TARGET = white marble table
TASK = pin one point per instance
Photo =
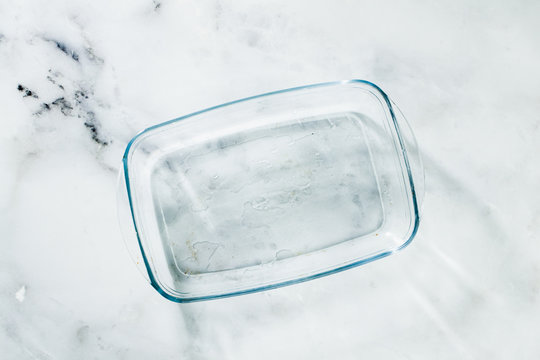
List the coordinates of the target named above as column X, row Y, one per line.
column 79, row 79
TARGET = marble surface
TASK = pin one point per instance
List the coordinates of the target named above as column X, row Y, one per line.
column 79, row 79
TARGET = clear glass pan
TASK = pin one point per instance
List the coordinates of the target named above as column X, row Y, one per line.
column 271, row 190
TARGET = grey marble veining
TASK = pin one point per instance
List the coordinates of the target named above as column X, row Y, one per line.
column 79, row 79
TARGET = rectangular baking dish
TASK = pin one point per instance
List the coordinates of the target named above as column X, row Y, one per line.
column 271, row 190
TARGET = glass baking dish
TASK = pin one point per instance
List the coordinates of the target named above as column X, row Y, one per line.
column 270, row 190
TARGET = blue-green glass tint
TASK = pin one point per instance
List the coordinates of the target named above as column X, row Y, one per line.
column 271, row 190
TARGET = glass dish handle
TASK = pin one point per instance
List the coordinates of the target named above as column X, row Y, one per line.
column 413, row 154
column 126, row 225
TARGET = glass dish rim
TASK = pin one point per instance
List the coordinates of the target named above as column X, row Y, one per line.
column 167, row 294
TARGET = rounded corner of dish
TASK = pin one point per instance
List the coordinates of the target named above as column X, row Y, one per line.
column 413, row 234
column 131, row 143
column 165, row 292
